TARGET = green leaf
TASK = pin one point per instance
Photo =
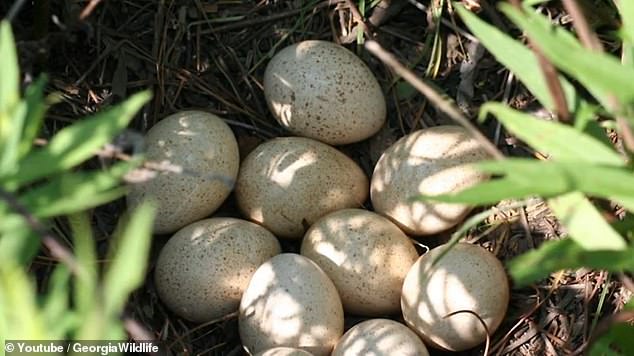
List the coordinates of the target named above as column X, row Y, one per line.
column 74, row 192
column 76, row 143
column 520, row 60
column 126, row 271
column 18, row 306
column 626, row 10
column 36, row 108
column 561, row 141
column 524, row 177
column 557, row 255
column 618, row 337
column 585, row 225
column 56, row 305
column 10, row 83
column 84, row 247
column 602, row 74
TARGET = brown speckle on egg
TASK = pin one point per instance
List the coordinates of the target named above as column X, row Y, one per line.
column 203, row 269
column 288, row 180
column 204, row 148
column 314, row 71
column 366, row 256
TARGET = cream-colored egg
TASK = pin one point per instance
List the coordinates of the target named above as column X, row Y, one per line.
column 287, row 183
column 204, row 148
column 284, row 351
column 380, row 337
column 366, row 256
column 468, row 280
column 431, row 161
column 205, row 267
column 321, row 90
column 290, row 302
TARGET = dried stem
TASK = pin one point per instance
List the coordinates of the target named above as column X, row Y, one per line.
column 432, row 95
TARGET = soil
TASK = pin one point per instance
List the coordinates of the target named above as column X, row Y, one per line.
column 211, row 55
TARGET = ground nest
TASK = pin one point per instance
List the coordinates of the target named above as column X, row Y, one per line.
column 211, row 55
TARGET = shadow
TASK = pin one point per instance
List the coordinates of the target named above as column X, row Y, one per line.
column 463, row 280
column 380, row 337
column 290, row 302
column 431, row 162
column 321, row 90
column 286, row 184
column 365, row 255
column 203, row 159
column 205, row 267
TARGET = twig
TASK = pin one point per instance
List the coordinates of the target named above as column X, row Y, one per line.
column 57, row 250
column 432, row 95
column 88, row 9
column 551, row 76
column 15, row 8
column 586, row 35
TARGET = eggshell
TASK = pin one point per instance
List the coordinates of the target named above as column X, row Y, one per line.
column 284, row 351
column 366, row 256
column 204, row 147
column 205, row 267
column 380, row 337
column 467, row 278
column 321, row 90
column 287, row 183
column 431, row 161
column 290, row 302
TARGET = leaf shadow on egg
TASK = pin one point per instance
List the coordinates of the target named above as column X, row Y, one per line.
column 439, row 301
column 290, row 302
column 367, row 257
column 286, row 184
column 198, row 161
column 381, row 337
column 441, row 164
column 204, row 268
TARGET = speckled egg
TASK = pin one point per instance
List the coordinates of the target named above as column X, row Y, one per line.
column 290, row 302
column 205, row 267
column 284, row 351
column 431, row 161
column 321, row 90
column 287, row 183
column 380, row 337
column 467, row 280
column 366, row 256
column 205, row 150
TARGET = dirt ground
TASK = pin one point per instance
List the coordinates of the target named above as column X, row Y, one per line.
column 211, row 55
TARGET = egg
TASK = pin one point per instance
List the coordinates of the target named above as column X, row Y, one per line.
column 468, row 281
column 287, row 183
column 366, row 256
column 204, row 149
column 284, row 351
column 203, row 269
column 290, row 302
column 321, row 90
column 380, row 337
column 431, row 161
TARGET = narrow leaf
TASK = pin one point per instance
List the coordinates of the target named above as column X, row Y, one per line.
column 36, row 108
column 561, row 141
column 126, row 271
column 74, row 192
column 557, row 255
column 600, row 73
column 584, row 223
column 85, row 252
column 10, row 83
column 520, row 60
column 78, row 142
